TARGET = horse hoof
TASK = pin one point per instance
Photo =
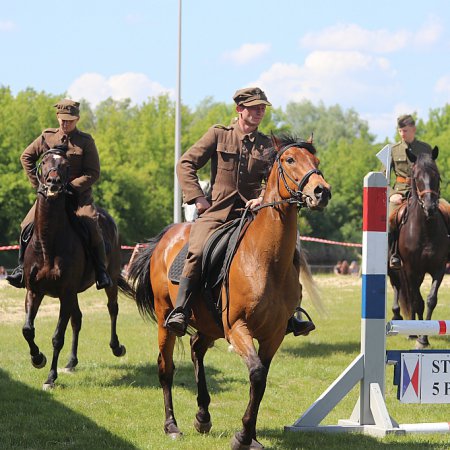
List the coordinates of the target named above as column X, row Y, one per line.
column 173, row 431
column 48, row 386
column 67, row 369
column 421, row 345
column 39, row 361
column 202, row 427
column 236, row 445
column 119, row 351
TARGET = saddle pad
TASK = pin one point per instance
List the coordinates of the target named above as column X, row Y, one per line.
column 176, row 269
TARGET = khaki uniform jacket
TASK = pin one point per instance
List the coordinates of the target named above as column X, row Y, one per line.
column 239, row 164
column 401, row 165
column 82, row 155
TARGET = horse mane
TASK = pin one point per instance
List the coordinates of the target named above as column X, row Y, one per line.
column 283, row 140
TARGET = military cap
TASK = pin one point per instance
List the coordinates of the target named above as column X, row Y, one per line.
column 405, row 120
column 251, row 96
column 67, row 109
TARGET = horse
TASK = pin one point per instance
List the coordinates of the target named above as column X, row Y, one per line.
column 262, row 291
column 57, row 264
column 423, row 243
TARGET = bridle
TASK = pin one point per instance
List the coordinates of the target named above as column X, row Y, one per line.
column 44, row 188
column 420, row 194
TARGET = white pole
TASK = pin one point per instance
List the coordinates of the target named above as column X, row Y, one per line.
column 176, row 188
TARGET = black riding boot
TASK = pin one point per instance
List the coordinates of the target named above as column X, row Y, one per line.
column 300, row 327
column 395, row 262
column 177, row 320
column 16, row 278
column 103, row 280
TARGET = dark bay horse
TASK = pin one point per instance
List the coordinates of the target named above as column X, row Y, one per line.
column 423, row 243
column 263, row 283
column 56, row 264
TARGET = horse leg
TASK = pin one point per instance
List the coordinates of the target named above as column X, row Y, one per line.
column 418, row 307
column 199, row 346
column 431, row 304
column 396, row 286
column 258, row 368
column 113, row 308
column 166, row 368
column 76, row 321
column 32, row 303
column 66, row 306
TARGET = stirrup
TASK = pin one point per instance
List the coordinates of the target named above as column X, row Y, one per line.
column 103, row 280
column 16, row 278
column 176, row 322
column 395, row 262
column 300, row 327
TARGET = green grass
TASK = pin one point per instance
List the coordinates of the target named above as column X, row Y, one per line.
column 116, row 403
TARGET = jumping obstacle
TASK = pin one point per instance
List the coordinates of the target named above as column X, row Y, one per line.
column 370, row 415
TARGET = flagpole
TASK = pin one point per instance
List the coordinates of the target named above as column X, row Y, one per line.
column 176, row 188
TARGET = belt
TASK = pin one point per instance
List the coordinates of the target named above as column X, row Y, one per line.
column 403, row 180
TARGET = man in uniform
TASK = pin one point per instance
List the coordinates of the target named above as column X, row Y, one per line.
column 401, row 166
column 239, row 156
column 84, row 163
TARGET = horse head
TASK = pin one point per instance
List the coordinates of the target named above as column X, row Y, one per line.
column 53, row 172
column 301, row 180
column 425, row 180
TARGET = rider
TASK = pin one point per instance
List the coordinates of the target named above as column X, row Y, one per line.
column 84, row 169
column 401, row 166
column 239, row 156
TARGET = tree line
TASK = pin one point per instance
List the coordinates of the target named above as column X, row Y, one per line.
column 136, row 147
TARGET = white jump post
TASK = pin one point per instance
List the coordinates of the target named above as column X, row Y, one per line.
column 370, row 415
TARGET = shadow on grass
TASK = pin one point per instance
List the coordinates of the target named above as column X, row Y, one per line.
column 335, row 441
column 146, row 375
column 32, row 419
column 320, row 350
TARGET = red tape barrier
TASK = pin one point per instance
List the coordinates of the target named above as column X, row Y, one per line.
column 302, row 238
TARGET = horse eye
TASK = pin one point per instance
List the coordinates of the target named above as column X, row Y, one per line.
column 290, row 160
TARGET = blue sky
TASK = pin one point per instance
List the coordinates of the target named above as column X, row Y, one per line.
column 381, row 58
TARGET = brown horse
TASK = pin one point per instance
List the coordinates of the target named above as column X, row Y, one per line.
column 423, row 243
column 57, row 264
column 263, row 286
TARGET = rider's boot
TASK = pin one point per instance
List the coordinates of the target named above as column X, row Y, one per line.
column 300, row 327
column 102, row 278
column 177, row 320
column 395, row 262
column 16, row 277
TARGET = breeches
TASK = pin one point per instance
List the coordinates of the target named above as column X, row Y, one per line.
column 87, row 213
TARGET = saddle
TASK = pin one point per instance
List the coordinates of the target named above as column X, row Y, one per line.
column 217, row 256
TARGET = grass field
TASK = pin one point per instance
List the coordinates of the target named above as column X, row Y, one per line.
column 111, row 403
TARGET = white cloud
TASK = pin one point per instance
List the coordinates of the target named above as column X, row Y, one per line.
column 246, row 53
column 354, row 37
column 331, row 77
column 95, row 87
column 7, row 25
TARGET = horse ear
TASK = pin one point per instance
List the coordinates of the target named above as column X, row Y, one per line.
column 275, row 141
column 411, row 156
column 435, row 152
column 311, row 138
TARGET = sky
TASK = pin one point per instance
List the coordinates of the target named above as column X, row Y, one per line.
column 379, row 58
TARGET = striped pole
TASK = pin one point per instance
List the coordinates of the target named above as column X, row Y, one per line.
column 374, row 269
column 418, row 327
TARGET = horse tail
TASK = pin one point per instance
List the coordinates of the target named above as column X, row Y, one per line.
column 308, row 283
column 139, row 277
column 125, row 287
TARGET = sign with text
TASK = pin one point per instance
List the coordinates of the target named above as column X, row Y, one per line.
column 425, row 378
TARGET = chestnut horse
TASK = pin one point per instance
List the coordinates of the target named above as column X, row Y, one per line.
column 423, row 243
column 56, row 263
column 263, row 286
